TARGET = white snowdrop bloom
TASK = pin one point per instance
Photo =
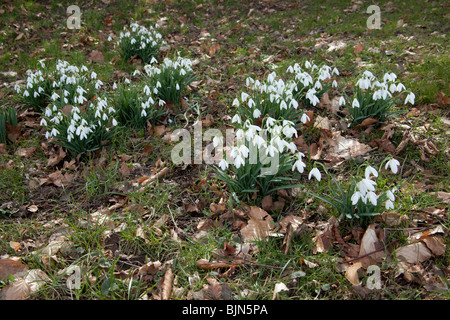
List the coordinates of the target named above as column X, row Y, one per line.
column 341, row 101
column 223, row 164
column 305, row 118
column 271, row 150
column 293, row 104
column 182, row 72
column 136, row 72
column 334, row 84
column 335, row 71
column 377, row 95
column 356, row 196
column 236, row 118
column 55, row 96
column 390, row 195
column 299, row 165
column 54, row 132
column 244, row 151
column 98, row 84
column 161, row 103
column 289, row 131
column 283, row 105
column 256, row 114
column 355, row 103
column 133, row 41
column 410, row 98
column 370, row 171
column 318, row 85
column 48, row 112
column 244, row 96
column 307, row 64
column 48, row 135
column 143, row 113
column 270, row 121
column 109, row 38
column 389, row 204
column 292, row 147
column 153, row 60
column 97, row 114
column 259, row 141
column 43, row 123
column 366, row 185
column 400, row 87
column 393, row 165
column 40, row 90
column 114, row 122
column 216, row 141
column 238, row 161
column 251, row 103
column 127, row 81
column 36, row 94
column 155, row 91
column 290, row 69
column 93, row 75
column 316, row 173
column 363, row 83
column 235, row 102
column 372, row 197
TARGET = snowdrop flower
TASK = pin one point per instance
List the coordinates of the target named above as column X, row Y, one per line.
column 236, row 118
column 55, row 96
column 366, row 185
column 36, row 94
column 235, row 102
column 410, row 98
column 93, row 75
column 370, row 170
column 114, row 122
column 54, row 132
column 400, row 87
column 98, row 84
column 43, row 123
column 341, row 101
column 335, row 71
column 177, row 87
column 390, row 195
column 299, row 165
column 244, row 96
column 256, row 114
column 355, row 103
column 251, row 103
column 356, row 196
column 372, row 197
column 216, row 141
column 305, row 118
column 334, row 84
column 271, row 150
column 389, row 204
column 316, row 173
column 238, row 161
column 393, row 165
column 223, row 164
column 307, row 64
column 270, row 121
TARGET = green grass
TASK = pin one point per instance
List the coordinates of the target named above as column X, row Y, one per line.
column 287, row 31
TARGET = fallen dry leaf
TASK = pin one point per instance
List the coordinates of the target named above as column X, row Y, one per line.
column 25, row 152
column 352, row 273
column 10, row 267
column 358, row 49
column 278, row 288
column 259, row 225
column 96, row 56
column 370, row 244
column 413, row 253
column 167, row 285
